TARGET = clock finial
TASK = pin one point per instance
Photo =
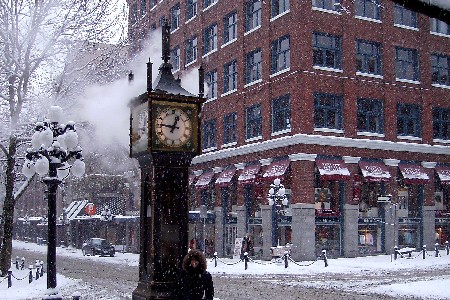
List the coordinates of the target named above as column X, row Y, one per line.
column 166, row 42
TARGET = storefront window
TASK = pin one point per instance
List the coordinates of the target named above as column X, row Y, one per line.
column 328, row 238
column 369, row 239
column 408, row 235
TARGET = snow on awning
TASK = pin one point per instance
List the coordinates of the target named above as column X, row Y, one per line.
column 276, row 169
column 444, row 174
column 75, row 208
column 248, row 175
column 204, row 180
column 224, row 178
column 332, row 169
column 413, row 174
column 374, row 171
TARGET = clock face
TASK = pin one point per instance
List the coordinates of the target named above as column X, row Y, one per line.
column 173, row 126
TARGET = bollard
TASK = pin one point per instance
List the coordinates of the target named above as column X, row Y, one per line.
column 30, row 277
column 286, row 264
column 246, row 260
column 395, row 252
column 325, row 259
column 22, row 263
column 447, row 247
column 42, row 268
column 215, row 259
column 9, row 278
column 424, row 250
column 37, row 269
column 17, row 262
column 436, row 250
column 76, row 296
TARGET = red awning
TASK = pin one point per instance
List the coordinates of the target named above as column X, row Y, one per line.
column 249, row 173
column 414, row 174
column 332, row 169
column 444, row 174
column 224, row 178
column 276, row 169
column 204, row 180
column 374, row 171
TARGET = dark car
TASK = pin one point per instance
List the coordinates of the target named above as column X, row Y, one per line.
column 98, row 246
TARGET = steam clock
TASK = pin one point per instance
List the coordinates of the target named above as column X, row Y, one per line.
column 164, row 137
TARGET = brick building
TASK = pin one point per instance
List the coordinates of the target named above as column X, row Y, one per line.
column 346, row 102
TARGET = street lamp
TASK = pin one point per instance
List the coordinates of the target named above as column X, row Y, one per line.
column 53, row 146
column 277, row 199
column 107, row 216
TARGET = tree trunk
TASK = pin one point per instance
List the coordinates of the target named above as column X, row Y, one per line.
column 8, row 208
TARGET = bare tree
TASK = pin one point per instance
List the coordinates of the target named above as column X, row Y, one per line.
column 35, row 39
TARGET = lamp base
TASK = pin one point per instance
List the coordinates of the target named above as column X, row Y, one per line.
column 153, row 290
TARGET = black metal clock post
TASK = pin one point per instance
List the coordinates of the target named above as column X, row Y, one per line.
column 165, row 136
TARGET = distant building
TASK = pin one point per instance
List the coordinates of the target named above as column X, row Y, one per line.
column 345, row 101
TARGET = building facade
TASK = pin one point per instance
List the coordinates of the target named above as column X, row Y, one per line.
column 346, row 102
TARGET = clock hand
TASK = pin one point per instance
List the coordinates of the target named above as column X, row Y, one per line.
column 177, row 118
column 170, row 126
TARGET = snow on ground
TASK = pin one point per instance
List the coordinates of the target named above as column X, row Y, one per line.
column 435, row 288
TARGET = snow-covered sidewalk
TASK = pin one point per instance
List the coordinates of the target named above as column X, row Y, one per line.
column 430, row 288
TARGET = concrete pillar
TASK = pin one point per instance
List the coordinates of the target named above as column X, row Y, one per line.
column 351, row 230
column 241, row 226
column 219, row 232
column 303, row 231
column 429, row 227
column 266, row 214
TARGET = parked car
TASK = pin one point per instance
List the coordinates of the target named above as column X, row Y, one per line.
column 98, row 246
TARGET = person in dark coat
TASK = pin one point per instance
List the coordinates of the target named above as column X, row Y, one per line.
column 195, row 282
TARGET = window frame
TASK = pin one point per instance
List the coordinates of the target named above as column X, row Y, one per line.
column 252, row 66
column 253, row 15
column 253, row 122
column 209, row 134
column 281, row 110
column 211, row 83
column 191, row 9
column 437, row 67
column 335, row 47
column 370, row 110
column 366, row 5
column 191, row 50
column 227, row 75
column 279, row 7
column 175, row 17
column 335, row 109
column 277, row 52
column 404, row 65
column 408, row 18
column 210, row 38
column 327, row 5
column 436, row 27
column 229, row 128
column 175, row 55
column 441, row 123
column 413, row 118
column 366, row 58
column 229, row 27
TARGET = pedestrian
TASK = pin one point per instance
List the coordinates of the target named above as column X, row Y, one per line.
column 195, row 282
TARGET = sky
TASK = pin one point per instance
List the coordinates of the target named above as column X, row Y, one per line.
column 432, row 288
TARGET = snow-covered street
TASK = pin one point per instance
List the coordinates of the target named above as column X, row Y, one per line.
column 375, row 277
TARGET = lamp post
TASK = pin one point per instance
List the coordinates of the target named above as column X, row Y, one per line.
column 53, row 146
column 388, row 199
column 26, row 231
column 106, row 216
column 277, row 199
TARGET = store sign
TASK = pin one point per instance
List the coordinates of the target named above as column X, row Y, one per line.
column 370, row 220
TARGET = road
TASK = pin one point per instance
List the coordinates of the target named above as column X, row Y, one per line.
column 114, row 281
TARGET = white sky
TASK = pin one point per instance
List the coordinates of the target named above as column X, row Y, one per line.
column 432, row 288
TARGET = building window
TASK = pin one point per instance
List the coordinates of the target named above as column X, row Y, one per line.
column 408, row 119
column 175, row 13
column 208, row 198
column 253, row 15
column 230, row 27
column 209, row 134
column 326, row 50
column 152, row 3
column 211, row 83
column 370, row 9
column 441, row 123
column 281, row 113
column 191, row 9
column 281, row 54
column 229, row 128
column 438, row 26
column 406, row 64
column 404, row 16
column 143, row 7
column 230, row 76
column 208, row 3
column 162, row 21
column 279, row 7
column 370, row 116
column 253, row 128
column 368, row 57
column 191, row 50
column 253, row 66
column 440, row 69
column 210, row 38
column 175, row 56
column 327, row 111
column 333, row 5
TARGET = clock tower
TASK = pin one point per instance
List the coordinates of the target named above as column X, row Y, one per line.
column 164, row 137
